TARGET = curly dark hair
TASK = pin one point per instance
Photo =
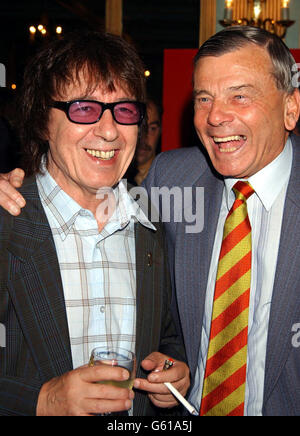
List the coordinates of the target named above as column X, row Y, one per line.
column 97, row 56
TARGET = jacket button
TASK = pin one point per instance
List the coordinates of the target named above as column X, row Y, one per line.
column 150, row 260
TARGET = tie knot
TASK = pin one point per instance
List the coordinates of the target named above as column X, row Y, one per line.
column 243, row 190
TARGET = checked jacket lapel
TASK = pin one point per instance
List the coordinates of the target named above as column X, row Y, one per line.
column 35, row 287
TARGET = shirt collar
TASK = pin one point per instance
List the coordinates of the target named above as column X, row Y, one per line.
column 65, row 210
column 128, row 208
column 268, row 182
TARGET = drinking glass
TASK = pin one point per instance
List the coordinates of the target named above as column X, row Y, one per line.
column 116, row 357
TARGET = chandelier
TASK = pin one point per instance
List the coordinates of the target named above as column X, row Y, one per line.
column 279, row 27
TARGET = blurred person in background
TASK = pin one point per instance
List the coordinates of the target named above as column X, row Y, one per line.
column 148, row 145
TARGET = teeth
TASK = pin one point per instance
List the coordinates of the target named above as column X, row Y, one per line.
column 105, row 155
column 227, row 150
column 229, row 138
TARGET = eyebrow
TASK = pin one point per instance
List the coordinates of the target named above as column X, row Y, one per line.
column 197, row 92
column 231, row 88
column 92, row 98
column 238, row 88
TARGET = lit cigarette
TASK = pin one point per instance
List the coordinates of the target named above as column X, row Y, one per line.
column 182, row 400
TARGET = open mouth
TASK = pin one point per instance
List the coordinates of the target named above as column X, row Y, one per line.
column 102, row 155
column 229, row 144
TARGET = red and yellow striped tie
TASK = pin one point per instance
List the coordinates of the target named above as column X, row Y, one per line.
column 225, row 373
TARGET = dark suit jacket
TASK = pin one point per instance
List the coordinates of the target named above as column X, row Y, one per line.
column 190, row 254
column 32, row 307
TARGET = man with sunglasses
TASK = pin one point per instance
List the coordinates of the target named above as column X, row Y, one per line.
column 76, row 274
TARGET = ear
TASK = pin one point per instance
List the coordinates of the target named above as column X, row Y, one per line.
column 292, row 110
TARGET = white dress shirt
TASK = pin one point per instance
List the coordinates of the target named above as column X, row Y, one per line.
column 265, row 210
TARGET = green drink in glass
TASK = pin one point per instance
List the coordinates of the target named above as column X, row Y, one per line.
column 116, row 357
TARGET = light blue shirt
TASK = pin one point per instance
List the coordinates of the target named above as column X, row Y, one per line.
column 98, row 269
column 265, row 210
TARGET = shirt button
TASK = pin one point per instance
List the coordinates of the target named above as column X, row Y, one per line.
column 102, row 309
column 84, row 212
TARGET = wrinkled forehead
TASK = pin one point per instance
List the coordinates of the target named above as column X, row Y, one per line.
column 84, row 82
column 235, row 65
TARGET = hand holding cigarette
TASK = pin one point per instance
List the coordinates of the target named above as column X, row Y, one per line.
column 168, row 364
column 178, row 374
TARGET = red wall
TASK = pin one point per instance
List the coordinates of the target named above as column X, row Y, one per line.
column 177, row 128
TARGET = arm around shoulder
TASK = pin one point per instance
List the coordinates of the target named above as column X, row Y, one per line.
column 10, row 199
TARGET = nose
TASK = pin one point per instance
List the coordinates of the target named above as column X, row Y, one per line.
column 106, row 127
column 219, row 114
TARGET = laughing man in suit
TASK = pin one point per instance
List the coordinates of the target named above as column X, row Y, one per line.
column 246, row 105
column 73, row 277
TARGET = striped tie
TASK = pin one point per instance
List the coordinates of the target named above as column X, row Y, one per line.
column 225, row 373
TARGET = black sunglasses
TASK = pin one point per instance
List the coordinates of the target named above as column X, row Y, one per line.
column 127, row 113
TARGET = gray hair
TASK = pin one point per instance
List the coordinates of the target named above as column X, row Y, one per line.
column 236, row 37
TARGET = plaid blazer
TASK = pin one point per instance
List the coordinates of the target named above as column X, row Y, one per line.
column 33, row 312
